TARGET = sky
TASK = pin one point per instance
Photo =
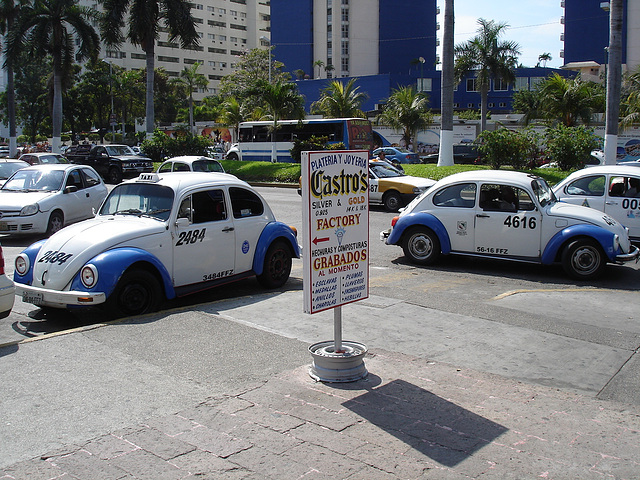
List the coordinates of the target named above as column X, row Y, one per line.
column 533, row 24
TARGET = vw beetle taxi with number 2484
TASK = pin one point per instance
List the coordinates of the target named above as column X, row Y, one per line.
column 158, row 237
column 508, row 215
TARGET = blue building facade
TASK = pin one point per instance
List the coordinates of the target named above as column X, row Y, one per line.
column 586, row 31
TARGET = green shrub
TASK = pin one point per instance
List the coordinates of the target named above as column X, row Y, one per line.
column 312, row 144
column 570, row 147
column 508, row 147
column 162, row 146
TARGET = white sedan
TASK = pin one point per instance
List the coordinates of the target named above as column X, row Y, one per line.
column 191, row 163
column 512, row 216
column 613, row 189
column 44, row 198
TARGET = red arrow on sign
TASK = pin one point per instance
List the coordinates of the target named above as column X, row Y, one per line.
column 317, row 240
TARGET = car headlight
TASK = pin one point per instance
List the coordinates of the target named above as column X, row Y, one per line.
column 22, row 264
column 29, row 210
column 89, row 276
column 418, row 190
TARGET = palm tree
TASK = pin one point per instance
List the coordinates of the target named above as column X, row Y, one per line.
column 190, row 80
column 544, row 58
column 282, row 101
column 569, row 100
column 145, row 18
column 319, row 64
column 50, row 27
column 488, row 58
column 630, row 108
column 340, row 100
column 8, row 13
column 231, row 113
column 406, row 110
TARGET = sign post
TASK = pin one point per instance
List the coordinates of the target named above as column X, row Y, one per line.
column 335, row 193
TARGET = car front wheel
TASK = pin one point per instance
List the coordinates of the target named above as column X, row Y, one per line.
column 56, row 222
column 137, row 292
column 583, row 259
column 115, row 176
column 421, row 245
column 277, row 265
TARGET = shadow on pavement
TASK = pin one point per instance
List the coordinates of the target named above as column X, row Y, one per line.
column 438, row 428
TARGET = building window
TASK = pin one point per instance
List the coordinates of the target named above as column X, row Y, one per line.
column 138, row 56
column 469, row 105
column 197, row 6
column 491, row 105
column 471, row 85
column 535, row 81
column 210, row 8
column 168, row 59
column 190, row 61
column 424, row 84
column 211, row 36
column 214, row 23
column 233, row 13
column 222, row 38
column 502, row 105
column 500, row 85
column 217, row 50
column 222, row 11
column 345, row 14
column 345, row 47
column 522, row 83
column 344, row 64
column 237, row 27
column 345, row 31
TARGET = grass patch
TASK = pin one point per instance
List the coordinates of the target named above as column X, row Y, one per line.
column 290, row 172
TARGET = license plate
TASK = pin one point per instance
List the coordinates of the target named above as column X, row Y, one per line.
column 33, row 298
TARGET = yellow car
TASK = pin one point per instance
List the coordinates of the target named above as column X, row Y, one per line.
column 392, row 188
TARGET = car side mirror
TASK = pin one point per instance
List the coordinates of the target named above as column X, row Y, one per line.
column 182, row 222
column 70, row 189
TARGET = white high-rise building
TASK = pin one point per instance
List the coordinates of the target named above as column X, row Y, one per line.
column 226, row 29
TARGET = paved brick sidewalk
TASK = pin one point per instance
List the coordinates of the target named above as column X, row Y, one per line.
column 409, row 419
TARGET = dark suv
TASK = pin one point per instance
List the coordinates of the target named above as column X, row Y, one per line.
column 462, row 153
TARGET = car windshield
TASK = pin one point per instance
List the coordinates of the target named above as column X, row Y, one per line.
column 35, row 181
column 207, row 166
column 139, row 199
column 52, row 159
column 543, row 192
column 7, row 169
column 114, row 150
column 384, row 171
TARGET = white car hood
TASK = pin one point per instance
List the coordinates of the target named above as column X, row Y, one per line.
column 84, row 241
column 586, row 214
column 16, row 200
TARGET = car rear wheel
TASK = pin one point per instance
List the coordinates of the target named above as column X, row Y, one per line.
column 583, row 259
column 421, row 245
column 56, row 222
column 392, row 201
column 137, row 292
column 277, row 265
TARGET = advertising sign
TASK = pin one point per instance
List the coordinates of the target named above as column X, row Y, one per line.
column 335, row 206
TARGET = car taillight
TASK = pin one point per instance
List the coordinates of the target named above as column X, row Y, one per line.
column 1, row 262
column 394, row 220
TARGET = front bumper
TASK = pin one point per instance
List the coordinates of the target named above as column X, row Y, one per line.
column 44, row 297
column 628, row 257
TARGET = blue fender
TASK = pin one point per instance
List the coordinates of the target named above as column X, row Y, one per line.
column 111, row 264
column 601, row 235
column 271, row 232
column 424, row 219
column 31, row 252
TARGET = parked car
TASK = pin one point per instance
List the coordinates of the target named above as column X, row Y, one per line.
column 4, row 151
column 510, row 216
column 393, row 189
column 402, row 155
column 191, row 163
column 7, row 290
column 45, row 198
column 155, row 238
column 39, row 158
column 612, row 189
column 8, row 166
column 216, row 151
column 112, row 162
column 463, row 153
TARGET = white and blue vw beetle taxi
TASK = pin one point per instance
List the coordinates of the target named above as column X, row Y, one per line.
column 508, row 215
column 158, row 237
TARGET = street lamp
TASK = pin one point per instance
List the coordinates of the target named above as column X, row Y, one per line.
column 267, row 40
column 421, row 60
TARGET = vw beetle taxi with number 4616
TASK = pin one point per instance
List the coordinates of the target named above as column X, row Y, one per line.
column 508, row 215
column 157, row 237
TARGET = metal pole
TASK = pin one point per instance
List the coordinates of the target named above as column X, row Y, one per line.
column 337, row 329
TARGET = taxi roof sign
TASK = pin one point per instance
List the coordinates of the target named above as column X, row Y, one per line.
column 148, row 178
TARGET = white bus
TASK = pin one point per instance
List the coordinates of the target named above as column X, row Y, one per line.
column 255, row 138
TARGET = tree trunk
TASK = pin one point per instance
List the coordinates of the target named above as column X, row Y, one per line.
column 445, row 155
column 614, row 76
column 150, row 121
column 11, row 110
column 56, row 117
column 484, row 96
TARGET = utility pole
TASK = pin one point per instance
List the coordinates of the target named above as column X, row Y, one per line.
column 445, row 154
column 614, row 80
